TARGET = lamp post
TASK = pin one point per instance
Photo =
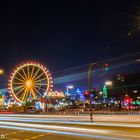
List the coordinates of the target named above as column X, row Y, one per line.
column 89, row 75
column 106, row 67
column 89, row 89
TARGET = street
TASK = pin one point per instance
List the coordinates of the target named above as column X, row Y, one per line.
column 70, row 70
column 50, row 127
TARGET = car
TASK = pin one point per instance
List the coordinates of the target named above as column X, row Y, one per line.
column 32, row 109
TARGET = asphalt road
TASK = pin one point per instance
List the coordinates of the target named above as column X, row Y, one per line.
column 59, row 127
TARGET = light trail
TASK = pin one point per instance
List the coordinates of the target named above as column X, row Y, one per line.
column 83, row 75
column 126, row 60
column 63, row 133
column 66, row 121
column 67, row 128
column 40, row 123
column 133, row 55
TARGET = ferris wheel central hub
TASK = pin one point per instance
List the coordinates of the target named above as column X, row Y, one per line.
column 29, row 83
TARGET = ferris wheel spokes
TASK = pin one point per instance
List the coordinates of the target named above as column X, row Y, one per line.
column 36, row 73
column 32, row 71
column 37, row 91
column 29, row 78
column 24, row 72
column 19, row 79
column 20, row 91
column 41, row 80
column 21, row 76
column 39, row 76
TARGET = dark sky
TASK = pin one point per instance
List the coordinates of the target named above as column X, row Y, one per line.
column 64, row 34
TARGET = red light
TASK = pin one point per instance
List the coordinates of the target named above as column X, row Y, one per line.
column 86, row 93
column 97, row 64
column 132, row 107
column 127, row 100
column 106, row 65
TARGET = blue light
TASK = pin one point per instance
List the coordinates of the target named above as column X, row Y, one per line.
column 65, row 92
column 78, row 91
column 37, row 105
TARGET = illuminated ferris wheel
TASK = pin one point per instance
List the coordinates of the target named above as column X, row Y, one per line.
column 29, row 80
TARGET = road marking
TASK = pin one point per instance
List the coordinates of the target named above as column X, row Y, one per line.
column 35, row 137
column 12, row 138
column 42, row 135
column 13, row 132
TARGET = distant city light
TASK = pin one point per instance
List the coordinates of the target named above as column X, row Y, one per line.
column 100, row 92
column 1, row 71
column 138, row 59
column 70, row 86
column 78, row 91
column 135, row 91
column 108, row 83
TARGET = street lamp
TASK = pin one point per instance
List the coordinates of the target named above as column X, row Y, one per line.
column 89, row 88
column 1, row 71
column 101, row 93
column 135, row 91
column 108, row 83
column 90, row 68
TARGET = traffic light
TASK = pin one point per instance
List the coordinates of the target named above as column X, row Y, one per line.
column 86, row 94
column 120, row 77
column 106, row 67
column 90, row 94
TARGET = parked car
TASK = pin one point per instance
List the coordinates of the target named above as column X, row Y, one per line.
column 32, row 109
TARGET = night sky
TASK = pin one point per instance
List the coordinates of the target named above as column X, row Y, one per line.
column 64, row 34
